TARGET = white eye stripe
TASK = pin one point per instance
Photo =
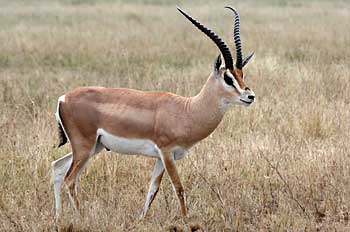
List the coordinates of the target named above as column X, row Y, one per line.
column 235, row 83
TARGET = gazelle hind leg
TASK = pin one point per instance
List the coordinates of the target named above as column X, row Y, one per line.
column 71, row 180
column 156, row 179
column 59, row 169
column 78, row 164
column 170, row 167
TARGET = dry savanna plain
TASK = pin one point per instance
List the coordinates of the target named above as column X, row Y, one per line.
column 282, row 164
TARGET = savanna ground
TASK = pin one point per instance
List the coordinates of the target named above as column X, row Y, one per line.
column 282, row 164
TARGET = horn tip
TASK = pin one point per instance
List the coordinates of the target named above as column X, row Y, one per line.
column 229, row 7
column 179, row 9
column 233, row 9
column 251, row 54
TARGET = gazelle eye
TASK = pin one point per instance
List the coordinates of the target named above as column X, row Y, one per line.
column 228, row 80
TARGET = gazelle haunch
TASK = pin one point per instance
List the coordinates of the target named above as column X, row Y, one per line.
column 161, row 125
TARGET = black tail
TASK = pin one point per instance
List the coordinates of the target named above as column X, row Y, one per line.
column 61, row 133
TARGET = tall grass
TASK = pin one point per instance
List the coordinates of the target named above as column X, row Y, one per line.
column 279, row 165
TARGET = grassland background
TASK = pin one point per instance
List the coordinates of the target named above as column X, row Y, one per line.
column 282, row 164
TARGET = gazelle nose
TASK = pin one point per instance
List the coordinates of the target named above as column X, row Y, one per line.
column 251, row 97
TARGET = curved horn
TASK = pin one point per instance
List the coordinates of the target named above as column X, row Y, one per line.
column 237, row 38
column 215, row 38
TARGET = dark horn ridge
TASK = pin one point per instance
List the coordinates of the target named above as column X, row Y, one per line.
column 237, row 38
column 214, row 37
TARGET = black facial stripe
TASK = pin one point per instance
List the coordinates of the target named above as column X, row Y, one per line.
column 228, row 80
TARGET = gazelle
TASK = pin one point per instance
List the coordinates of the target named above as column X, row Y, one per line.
column 161, row 125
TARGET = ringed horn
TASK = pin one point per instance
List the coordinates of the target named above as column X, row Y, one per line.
column 225, row 51
column 240, row 62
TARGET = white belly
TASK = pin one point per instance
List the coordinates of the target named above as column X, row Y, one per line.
column 126, row 145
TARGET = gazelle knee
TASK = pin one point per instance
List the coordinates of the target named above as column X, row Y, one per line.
column 69, row 184
column 60, row 167
column 62, row 164
column 180, row 191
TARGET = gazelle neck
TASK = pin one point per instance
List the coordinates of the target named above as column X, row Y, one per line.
column 206, row 108
column 208, row 100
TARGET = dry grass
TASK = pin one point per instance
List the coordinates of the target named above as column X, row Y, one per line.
column 280, row 165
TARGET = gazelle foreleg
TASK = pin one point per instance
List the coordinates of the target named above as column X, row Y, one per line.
column 157, row 175
column 169, row 164
column 59, row 170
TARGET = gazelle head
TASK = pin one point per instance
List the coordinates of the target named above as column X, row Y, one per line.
column 228, row 80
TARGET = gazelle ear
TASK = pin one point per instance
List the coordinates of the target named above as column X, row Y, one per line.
column 217, row 64
column 246, row 59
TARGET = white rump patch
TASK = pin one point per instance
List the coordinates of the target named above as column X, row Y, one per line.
column 57, row 114
column 128, row 146
column 62, row 98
